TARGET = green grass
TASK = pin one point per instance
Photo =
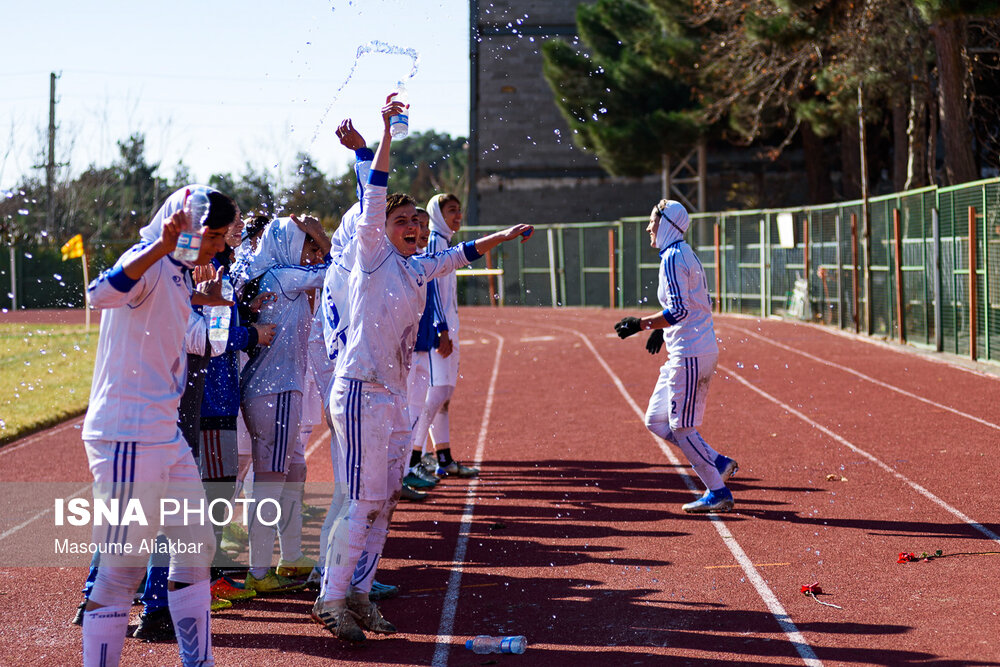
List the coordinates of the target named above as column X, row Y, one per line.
column 45, row 373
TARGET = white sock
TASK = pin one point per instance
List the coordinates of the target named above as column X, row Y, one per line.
column 290, row 526
column 104, row 635
column 344, row 554
column 701, row 456
column 189, row 610
column 267, row 486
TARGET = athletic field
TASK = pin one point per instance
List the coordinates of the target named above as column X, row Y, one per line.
column 850, row 452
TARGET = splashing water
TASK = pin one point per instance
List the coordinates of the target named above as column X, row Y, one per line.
column 374, row 46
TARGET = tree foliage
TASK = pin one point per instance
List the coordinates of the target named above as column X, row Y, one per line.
column 624, row 94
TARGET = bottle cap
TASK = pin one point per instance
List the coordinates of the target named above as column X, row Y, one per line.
column 468, row 644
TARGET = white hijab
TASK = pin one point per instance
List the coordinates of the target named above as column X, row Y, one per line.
column 438, row 224
column 173, row 204
column 280, row 245
column 674, row 223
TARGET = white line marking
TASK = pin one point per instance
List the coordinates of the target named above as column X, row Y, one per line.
column 538, row 339
column 921, row 490
column 18, row 444
column 450, row 608
column 861, row 375
column 10, row 531
column 796, row 638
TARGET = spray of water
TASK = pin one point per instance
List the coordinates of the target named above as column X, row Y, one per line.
column 374, row 46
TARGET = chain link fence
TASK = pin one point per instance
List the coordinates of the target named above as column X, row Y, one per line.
column 908, row 272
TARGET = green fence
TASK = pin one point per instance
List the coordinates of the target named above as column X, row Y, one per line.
column 914, row 288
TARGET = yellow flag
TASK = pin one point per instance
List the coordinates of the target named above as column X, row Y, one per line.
column 73, row 248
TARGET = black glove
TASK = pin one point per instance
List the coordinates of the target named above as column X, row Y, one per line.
column 655, row 341
column 628, row 326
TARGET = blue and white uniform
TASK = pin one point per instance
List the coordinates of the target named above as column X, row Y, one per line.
column 135, row 448
column 272, row 385
column 387, row 297
column 677, row 405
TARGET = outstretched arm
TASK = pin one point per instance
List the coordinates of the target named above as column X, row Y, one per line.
column 487, row 243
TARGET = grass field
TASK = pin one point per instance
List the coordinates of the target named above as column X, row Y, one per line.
column 45, row 373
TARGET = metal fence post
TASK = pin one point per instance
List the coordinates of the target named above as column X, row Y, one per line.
column 550, row 237
column 854, row 271
column 936, row 277
column 973, row 306
column 765, row 304
column 838, row 257
column 13, row 279
column 717, row 230
column 611, row 268
column 898, row 243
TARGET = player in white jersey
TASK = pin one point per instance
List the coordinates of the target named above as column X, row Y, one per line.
column 677, row 405
column 387, row 294
column 134, row 447
column 445, row 213
column 290, row 262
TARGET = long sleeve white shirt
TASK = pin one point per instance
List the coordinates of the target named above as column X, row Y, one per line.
column 387, row 296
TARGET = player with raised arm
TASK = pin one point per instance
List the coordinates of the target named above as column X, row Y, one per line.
column 134, row 447
column 677, row 405
column 387, row 295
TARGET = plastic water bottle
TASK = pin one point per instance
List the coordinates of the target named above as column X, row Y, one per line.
column 487, row 644
column 399, row 126
column 219, row 316
column 189, row 242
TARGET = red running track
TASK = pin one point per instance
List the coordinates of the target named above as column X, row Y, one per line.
column 573, row 535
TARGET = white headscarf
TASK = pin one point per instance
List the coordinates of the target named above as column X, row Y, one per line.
column 173, row 204
column 674, row 223
column 281, row 245
column 438, row 224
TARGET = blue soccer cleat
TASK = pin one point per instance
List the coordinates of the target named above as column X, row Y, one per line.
column 726, row 466
column 720, row 500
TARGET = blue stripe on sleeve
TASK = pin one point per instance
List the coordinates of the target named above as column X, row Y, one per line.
column 120, row 281
column 379, row 178
column 471, row 253
column 669, row 318
column 364, row 154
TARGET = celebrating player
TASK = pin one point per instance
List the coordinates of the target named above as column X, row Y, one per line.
column 677, row 405
column 133, row 444
column 387, row 295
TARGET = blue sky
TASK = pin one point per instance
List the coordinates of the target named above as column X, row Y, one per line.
column 219, row 83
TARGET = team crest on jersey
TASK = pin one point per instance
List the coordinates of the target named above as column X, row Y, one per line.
column 177, row 280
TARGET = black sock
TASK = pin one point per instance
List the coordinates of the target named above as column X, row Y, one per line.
column 444, row 456
column 414, row 457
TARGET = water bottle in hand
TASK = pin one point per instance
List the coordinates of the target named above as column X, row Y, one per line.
column 487, row 644
column 189, row 242
column 219, row 316
column 399, row 126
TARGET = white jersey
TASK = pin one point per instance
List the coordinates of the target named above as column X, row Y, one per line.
column 447, row 286
column 141, row 363
column 683, row 293
column 387, row 296
column 281, row 366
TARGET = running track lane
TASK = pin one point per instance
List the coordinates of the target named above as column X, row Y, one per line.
column 852, row 529
column 588, row 502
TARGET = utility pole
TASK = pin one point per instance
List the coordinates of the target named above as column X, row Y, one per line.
column 50, row 166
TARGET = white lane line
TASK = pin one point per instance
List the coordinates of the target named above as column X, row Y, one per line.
column 10, row 531
column 796, row 638
column 868, row 378
column 538, row 339
column 18, row 444
column 889, row 469
column 444, row 638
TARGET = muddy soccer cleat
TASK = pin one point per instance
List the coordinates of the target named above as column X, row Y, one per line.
column 340, row 621
column 726, row 466
column 296, row 569
column 234, row 537
column 406, row 493
column 416, row 482
column 720, row 500
column 272, row 584
column 369, row 616
column 429, row 463
column 225, row 588
column 155, row 626
column 458, row 470
column 78, row 617
column 218, row 604
column 382, row 591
